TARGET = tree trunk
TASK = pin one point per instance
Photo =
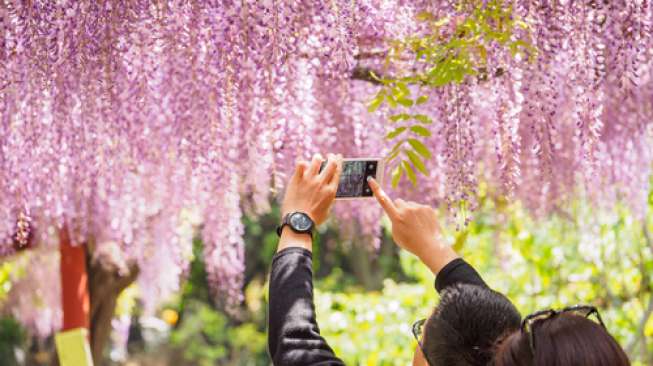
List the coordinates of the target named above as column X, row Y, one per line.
column 361, row 264
column 105, row 285
column 89, row 293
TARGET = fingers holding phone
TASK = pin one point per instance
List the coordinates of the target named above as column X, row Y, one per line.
column 329, row 169
column 311, row 191
column 300, row 167
column 315, row 164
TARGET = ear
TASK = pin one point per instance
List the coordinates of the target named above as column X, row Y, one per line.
column 418, row 358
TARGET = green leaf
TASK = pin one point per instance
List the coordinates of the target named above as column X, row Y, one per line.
column 441, row 74
column 395, row 151
column 420, row 148
column 397, row 172
column 423, row 16
column 375, row 103
column 522, row 24
column 442, row 22
column 417, row 161
column 396, row 132
column 399, row 117
column 482, row 54
column 402, row 90
column 421, row 130
column 392, row 101
column 422, row 119
column 409, row 80
column 520, row 46
column 410, row 173
column 422, row 99
column 406, row 102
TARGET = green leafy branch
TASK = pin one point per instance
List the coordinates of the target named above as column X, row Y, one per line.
column 453, row 50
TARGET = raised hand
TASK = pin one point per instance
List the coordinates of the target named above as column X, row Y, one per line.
column 415, row 228
column 311, row 191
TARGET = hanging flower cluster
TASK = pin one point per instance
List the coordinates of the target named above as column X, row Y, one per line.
column 544, row 101
column 131, row 122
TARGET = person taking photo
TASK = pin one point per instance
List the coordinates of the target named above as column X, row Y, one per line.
column 462, row 329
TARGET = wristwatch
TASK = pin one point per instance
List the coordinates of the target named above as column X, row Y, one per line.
column 299, row 222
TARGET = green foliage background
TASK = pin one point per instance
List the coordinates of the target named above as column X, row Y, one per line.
column 367, row 301
column 536, row 263
column 575, row 256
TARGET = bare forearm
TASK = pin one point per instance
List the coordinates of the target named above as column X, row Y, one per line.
column 290, row 238
column 437, row 256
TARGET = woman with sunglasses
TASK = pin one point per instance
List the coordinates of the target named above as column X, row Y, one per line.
column 568, row 337
column 461, row 331
column 470, row 316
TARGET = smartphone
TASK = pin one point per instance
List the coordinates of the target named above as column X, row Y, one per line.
column 353, row 178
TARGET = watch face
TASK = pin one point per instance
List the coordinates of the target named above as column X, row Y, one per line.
column 300, row 221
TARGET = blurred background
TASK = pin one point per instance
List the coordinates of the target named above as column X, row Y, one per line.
column 367, row 300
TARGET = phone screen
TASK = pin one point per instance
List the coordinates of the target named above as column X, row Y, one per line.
column 353, row 178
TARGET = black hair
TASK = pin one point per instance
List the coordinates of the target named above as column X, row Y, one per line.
column 466, row 325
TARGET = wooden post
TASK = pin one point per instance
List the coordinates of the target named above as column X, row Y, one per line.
column 74, row 283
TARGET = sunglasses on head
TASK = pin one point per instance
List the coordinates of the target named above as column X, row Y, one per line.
column 541, row 316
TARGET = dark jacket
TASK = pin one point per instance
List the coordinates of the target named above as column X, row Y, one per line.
column 293, row 334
